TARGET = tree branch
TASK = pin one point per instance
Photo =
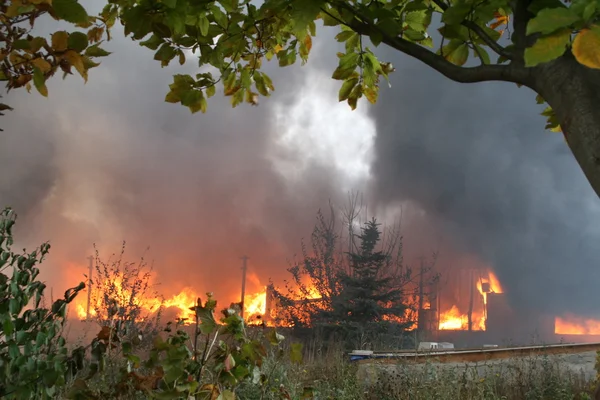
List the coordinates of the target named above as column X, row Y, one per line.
column 482, row 73
column 521, row 17
column 492, row 44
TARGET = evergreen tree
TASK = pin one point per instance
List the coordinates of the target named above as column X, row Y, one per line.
column 369, row 293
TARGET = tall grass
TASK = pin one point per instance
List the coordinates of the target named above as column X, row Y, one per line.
column 334, row 377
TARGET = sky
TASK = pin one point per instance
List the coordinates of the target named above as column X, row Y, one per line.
column 470, row 166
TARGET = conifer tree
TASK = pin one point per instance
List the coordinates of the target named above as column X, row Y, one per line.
column 369, row 293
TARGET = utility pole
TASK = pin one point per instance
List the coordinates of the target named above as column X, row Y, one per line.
column 244, row 269
column 89, row 288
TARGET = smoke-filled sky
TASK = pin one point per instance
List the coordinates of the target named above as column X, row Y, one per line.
column 110, row 161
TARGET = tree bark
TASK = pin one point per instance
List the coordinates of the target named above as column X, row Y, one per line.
column 573, row 92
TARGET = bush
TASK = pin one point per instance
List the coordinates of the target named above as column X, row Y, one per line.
column 34, row 360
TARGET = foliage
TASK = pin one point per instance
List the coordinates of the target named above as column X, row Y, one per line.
column 221, row 357
column 233, row 38
column 34, row 359
column 368, row 293
column 123, row 297
column 355, row 295
column 26, row 58
column 535, row 377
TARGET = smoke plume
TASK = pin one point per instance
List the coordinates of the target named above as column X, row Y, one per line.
column 477, row 161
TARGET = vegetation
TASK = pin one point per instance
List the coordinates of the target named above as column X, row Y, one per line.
column 120, row 298
column 222, row 359
column 550, row 46
column 354, row 286
column 35, row 361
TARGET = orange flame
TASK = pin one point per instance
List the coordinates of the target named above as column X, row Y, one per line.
column 255, row 305
column 454, row 319
column 573, row 325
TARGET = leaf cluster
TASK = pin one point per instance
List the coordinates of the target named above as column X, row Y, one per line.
column 208, row 364
column 34, row 359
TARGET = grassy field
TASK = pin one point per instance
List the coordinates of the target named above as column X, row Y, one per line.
column 333, row 377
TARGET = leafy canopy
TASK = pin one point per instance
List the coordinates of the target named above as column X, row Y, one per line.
column 233, row 38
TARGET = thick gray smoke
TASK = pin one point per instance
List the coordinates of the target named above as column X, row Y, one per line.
column 111, row 161
column 477, row 160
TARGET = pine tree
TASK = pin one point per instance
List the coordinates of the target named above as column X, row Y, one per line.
column 368, row 292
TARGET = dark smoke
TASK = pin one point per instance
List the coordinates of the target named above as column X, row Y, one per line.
column 110, row 161
column 477, row 160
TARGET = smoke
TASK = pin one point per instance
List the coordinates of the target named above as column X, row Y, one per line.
column 477, row 161
column 476, row 176
column 110, row 161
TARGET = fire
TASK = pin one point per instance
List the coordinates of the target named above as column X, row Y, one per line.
column 454, row 319
column 255, row 304
column 181, row 302
column 573, row 325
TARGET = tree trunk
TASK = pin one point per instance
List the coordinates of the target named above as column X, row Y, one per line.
column 573, row 92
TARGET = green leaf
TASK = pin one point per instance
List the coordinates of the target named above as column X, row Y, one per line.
column 296, row 353
column 219, row 16
column 456, row 14
column 259, row 82
column 211, row 90
column 547, row 48
column 21, row 44
column 39, row 81
column 274, row 337
column 550, row 20
column 344, row 35
column 346, row 88
column 170, row 3
column 537, row 5
column 418, row 20
column 165, row 54
column 8, row 327
column 203, row 25
column 482, row 53
column 77, row 41
column 347, row 65
column 589, row 10
column 153, row 42
column 70, row 11
column 96, row 51
column 226, row 395
column 456, row 52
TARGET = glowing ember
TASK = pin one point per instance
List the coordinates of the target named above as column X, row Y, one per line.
column 573, row 325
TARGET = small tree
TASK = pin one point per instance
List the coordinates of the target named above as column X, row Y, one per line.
column 124, row 299
column 369, row 293
column 314, row 282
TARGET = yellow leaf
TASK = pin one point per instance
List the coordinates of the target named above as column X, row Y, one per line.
column 76, row 61
column 13, row 10
column 308, row 43
column 277, row 49
column 586, row 45
column 95, row 34
column 42, row 64
column 60, row 40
